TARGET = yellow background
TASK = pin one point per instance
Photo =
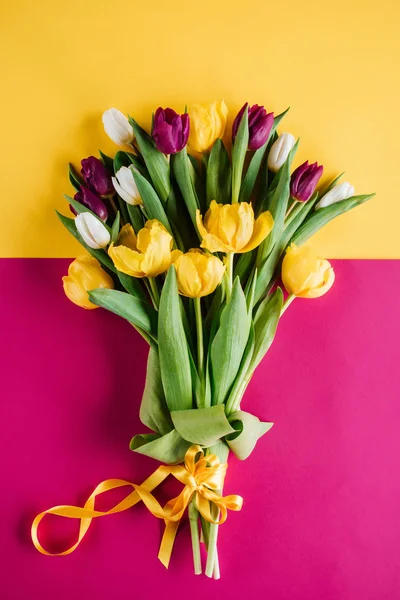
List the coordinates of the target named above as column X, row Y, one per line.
column 335, row 62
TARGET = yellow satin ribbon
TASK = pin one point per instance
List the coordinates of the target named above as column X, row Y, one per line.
column 201, row 477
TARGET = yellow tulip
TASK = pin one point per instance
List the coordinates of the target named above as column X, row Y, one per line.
column 85, row 274
column 232, row 227
column 305, row 274
column 198, row 273
column 147, row 255
column 207, row 124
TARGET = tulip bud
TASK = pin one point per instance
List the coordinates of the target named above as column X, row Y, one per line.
column 85, row 274
column 92, row 202
column 170, row 130
column 117, row 127
column 125, row 186
column 198, row 273
column 280, row 151
column 260, row 125
column 339, row 192
column 304, row 181
column 304, row 274
column 96, row 176
column 207, row 124
column 93, row 232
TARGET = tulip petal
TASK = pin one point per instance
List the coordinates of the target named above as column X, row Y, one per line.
column 262, row 227
column 127, row 237
column 325, row 285
column 213, row 244
column 126, row 260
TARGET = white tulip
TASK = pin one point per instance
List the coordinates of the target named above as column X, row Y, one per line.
column 92, row 230
column 339, row 192
column 125, row 185
column 280, row 151
column 117, row 127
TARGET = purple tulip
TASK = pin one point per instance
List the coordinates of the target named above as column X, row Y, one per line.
column 92, row 202
column 304, row 181
column 170, row 130
column 96, row 176
column 260, row 125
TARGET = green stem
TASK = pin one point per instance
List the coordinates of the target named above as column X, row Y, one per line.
column 194, row 531
column 287, row 303
column 155, row 292
column 229, row 275
column 199, row 331
column 212, row 566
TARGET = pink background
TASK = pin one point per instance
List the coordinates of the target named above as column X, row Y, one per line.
column 321, row 518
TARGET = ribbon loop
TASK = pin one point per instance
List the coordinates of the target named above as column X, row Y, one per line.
column 201, row 477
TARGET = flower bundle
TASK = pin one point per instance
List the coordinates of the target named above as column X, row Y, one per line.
column 201, row 247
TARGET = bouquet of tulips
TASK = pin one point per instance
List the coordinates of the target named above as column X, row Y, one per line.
column 200, row 245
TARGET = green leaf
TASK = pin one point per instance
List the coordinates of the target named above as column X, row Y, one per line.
column 135, row 217
column 107, row 161
column 332, row 184
column 101, row 255
column 132, row 285
column 239, row 385
column 74, row 178
column 249, row 429
column 180, row 165
column 169, row 449
column 154, row 412
column 121, row 159
column 250, row 290
column 252, row 173
column 219, row 175
column 115, row 228
column 173, row 347
column 239, row 153
column 265, row 324
column 244, row 266
column 129, row 307
column 157, row 164
column 229, row 343
column 279, row 118
column 152, row 202
column 203, row 426
column 322, row 216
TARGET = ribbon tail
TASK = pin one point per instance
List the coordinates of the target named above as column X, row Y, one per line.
column 167, row 542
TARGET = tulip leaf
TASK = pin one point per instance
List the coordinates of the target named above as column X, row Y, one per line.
column 152, row 202
column 121, row 159
column 252, row 173
column 107, row 161
column 249, row 429
column 135, row 217
column 219, row 176
column 203, row 426
column 331, row 185
column 157, row 164
column 154, row 412
column 181, row 168
column 279, row 118
column 322, row 216
column 173, row 347
column 74, row 178
column 244, row 266
column 239, row 150
column 115, row 227
column 132, row 285
column 131, row 308
column 266, row 322
column 101, row 255
column 229, row 343
column 239, row 385
column 169, row 449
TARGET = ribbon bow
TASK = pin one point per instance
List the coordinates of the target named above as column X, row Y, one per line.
column 201, row 477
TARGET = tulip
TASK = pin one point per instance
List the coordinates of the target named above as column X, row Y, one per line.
column 232, row 227
column 304, row 274
column 96, row 176
column 280, row 151
column 93, row 232
column 304, row 181
column 117, row 127
column 92, row 202
column 170, row 130
column 339, row 192
column 207, row 124
column 198, row 273
column 85, row 274
column 147, row 255
column 260, row 125
column 125, row 185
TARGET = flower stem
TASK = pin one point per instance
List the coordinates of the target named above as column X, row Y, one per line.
column 287, row 303
column 194, row 531
column 212, row 566
column 199, row 331
column 155, row 292
column 229, row 275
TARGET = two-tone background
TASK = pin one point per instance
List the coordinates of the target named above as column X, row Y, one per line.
column 322, row 490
